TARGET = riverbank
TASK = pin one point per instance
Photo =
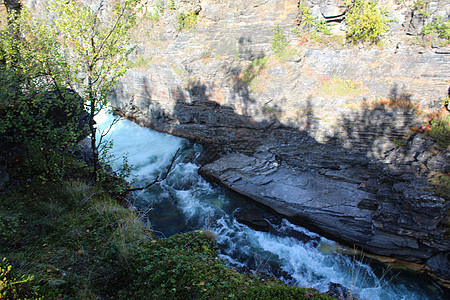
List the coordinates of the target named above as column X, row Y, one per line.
column 77, row 241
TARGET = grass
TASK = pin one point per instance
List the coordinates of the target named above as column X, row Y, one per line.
column 441, row 184
column 139, row 63
column 253, row 70
column 337, row 86
column 70, row 239
column 439, row 129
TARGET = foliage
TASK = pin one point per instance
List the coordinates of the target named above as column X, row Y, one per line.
column 254, row 69
column 439, row 129
column 97, row 50
column 312, row 24
column 421, row 6
column 37, row 111
column 280, row 45
column 139, row 63
column 337, row 86
column 12, row 287
column 439, row 27
column 366, row 22
column 279, row 41
column 171, row 5
column 441, row 183
column 82, row 50
column 187, row 20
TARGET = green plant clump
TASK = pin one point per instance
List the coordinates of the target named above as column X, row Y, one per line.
column 366, row 22
column 280, row 44
column 171, row 5
column 254, row 69
column 279, row 41
column 187, row 20
column 440, row 130
column 441, row 183
column 337, row 86
column 440, row 27
column 312, row 24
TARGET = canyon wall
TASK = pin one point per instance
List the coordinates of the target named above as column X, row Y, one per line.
column 219, row 81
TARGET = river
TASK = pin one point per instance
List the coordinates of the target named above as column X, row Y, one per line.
column 185, row 202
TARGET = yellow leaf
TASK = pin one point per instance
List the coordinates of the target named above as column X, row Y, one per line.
column 80, row 251
column 202, row 283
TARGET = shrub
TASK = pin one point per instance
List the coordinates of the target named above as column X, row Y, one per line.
column 312, row 24
column 439, row 130
column 280, row 45
column 279, row 41
column 366, row 22
column 187, row 20
column 254, row 69
column 438, row 27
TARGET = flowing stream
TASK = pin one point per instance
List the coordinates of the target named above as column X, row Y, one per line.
column 185, row 202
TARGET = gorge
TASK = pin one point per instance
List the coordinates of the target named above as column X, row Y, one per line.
column 328, row 133
column 330, row 121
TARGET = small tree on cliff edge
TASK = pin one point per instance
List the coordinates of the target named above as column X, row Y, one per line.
column 96, row 47
column 75, row 46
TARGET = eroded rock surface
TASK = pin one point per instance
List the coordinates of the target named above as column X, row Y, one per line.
column 403, row 221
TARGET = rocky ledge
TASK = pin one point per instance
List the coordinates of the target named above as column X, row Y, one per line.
column 404, row 220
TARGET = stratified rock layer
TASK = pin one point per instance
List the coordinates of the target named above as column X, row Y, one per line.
column 404, row 222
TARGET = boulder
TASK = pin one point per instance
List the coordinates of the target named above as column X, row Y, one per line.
column 440, row 265
column 253, row 220
column 338, row 291
column 404, row 221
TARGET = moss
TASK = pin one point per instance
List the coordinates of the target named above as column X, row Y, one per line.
column 441, row 184
column 337, row 86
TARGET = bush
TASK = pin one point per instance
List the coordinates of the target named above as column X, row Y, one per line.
column 312, row 24
column 187, row 20
column 13, row 287
column 438, row 27
column 279, row 41
column 365, row 21
column 439, row 130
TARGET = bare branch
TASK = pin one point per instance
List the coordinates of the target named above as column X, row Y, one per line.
column 157, row 179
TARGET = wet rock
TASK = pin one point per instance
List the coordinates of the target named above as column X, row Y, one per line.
column 403, row 220
column 312, row 241
column 338, row 291
column 84, row 152
column 440, row 265
column 190, row 157
column 253, row 220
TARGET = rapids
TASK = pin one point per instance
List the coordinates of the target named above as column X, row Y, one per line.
column 185, row 202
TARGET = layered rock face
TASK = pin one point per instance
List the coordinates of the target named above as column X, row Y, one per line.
column 321, row 133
